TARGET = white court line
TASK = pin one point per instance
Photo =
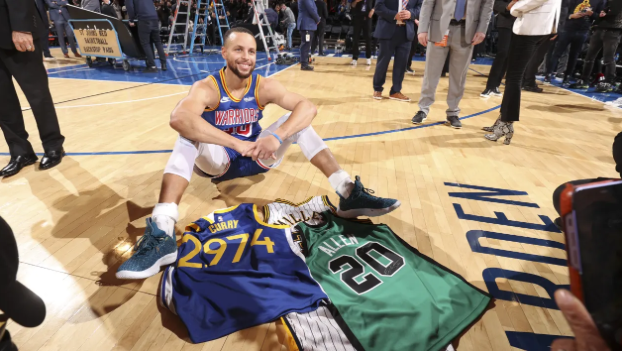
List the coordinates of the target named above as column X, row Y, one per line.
column 119, row 102
column 69, row 70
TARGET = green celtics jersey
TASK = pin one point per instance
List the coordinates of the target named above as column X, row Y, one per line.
column 389, row 296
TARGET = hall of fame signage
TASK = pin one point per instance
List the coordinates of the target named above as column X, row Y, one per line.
column 96, row 38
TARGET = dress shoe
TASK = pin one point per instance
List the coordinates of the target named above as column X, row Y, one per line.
column 16, row 164
column 77, row 55
column 51, row 158
column 150, row 70
column 163, row 66
column 306, row 68
column 66, row 55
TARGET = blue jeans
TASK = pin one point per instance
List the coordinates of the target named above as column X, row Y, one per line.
column 290, row 30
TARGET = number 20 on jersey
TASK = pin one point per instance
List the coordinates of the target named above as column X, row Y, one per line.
column 217, row 248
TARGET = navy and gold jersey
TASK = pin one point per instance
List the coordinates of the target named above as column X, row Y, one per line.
column 234, row 271
column 238, row 117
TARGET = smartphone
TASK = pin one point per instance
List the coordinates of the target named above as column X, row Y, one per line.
column 592, row 222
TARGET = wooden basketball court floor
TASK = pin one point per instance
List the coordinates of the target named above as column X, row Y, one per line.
column 76, row 223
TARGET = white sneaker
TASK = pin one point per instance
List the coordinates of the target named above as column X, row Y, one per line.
column 353, row 63
column 369, row 62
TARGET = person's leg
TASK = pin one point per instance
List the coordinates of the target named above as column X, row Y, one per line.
column 413, row 48
column 367, row 36
column 499, row 65
column 461, row 53
column 144, row 35
column 535, row 61
column 354, row 201
column 71, row 38
column 321, row 30
column 315, row 39
column 521, row 51
column 399, row 64
column 434, row 62
column 43, row 39
column 155, row 39
column 60, row 33
column 11, row 118
column 596, row 44
column 290, row 30
column 384, row 58
column 28, row 70
column 357, row 20
column 611, row 39
column 564, row 40
column 305, row 37
column 576, row 45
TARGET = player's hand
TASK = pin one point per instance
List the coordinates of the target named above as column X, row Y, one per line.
column 244, row 147
column 23, row 41
column 587, row 337
column 264, row 148
column 478, row 38
column 423, row 39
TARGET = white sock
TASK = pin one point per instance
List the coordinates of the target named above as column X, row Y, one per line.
column 165, row 215
column 342, row 183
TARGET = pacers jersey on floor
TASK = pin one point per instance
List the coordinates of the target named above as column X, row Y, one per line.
column 234, row 271
column 238, row 117
column 390, row 296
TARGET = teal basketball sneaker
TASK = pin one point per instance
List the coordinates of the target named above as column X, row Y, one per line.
column 153, row 250
column 361, row 202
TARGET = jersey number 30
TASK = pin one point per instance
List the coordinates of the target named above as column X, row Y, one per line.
column 351, row 276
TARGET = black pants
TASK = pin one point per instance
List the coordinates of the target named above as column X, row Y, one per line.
column 536, row 60
column 43, row 39
column 361, row 21
column 607, row 40
column 28, row 70
column 305, row 46
column 521, row 51
column 500, row 64
column 400, row 46
column 575, row 39
column 319, row 37
column 149, row 34
column 413, row 50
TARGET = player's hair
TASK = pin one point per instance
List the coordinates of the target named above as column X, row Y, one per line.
column 236, row 30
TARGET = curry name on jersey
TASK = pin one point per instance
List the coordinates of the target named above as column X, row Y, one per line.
column 234, row 271
column 236, row 116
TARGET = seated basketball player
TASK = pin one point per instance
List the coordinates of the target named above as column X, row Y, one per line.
column 220, row 137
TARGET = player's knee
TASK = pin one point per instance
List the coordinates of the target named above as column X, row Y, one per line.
column 310, row 142
column 212, row 160
column 182, row 158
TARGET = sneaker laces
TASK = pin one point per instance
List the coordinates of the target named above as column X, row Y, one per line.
column 145, row 244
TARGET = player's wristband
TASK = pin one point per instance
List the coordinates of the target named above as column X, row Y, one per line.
column 276, row 136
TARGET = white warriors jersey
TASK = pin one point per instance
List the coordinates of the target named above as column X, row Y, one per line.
column 285, row 212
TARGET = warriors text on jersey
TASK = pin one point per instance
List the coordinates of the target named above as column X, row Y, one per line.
column 234, row 271
column 236, row 116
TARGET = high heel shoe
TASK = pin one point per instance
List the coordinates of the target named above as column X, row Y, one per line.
column 491, row 128
column 502, row 129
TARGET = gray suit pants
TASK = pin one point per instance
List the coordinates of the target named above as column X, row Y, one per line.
column 459, row 60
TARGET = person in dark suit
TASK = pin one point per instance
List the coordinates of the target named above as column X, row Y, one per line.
column 505, row 22
column 20, row 58
column 143, row 12
column 308, row 20
column 361, row 11
column 395, row 38
column 322, row 11
column 45, row 29
column 60, row 16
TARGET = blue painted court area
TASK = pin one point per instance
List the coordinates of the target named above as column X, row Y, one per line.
column 182, row 69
